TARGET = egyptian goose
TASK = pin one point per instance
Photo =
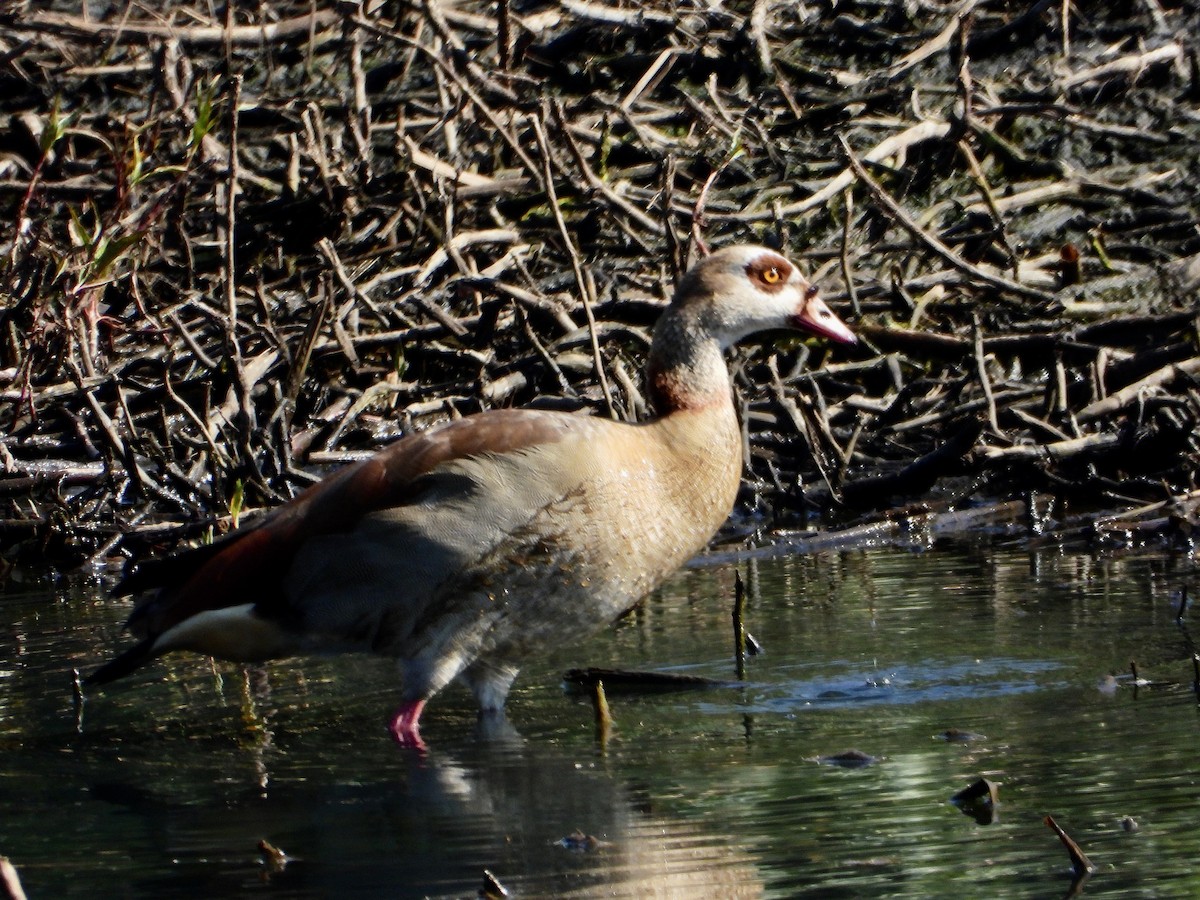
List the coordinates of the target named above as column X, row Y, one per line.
column 464, row 548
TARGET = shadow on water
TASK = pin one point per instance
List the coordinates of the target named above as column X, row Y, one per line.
column 169, row 782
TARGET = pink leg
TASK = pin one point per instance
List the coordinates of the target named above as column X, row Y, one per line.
column 404, row 726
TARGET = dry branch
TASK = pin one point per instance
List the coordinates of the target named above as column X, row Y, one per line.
column 244, row 248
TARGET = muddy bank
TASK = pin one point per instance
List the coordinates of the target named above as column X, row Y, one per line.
column 423, row 210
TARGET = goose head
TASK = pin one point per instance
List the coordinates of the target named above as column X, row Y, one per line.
column 742, row 290
column 732, row 294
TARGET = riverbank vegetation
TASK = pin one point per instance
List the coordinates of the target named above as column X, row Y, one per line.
column 238, row 249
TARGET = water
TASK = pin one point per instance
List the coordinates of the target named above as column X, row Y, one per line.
column 166, row 784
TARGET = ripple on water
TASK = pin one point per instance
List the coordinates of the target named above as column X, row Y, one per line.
column 930, row 681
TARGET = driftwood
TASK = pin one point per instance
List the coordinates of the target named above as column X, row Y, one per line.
column 237, row 251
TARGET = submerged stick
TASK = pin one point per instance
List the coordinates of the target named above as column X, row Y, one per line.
column 1080, row 864
column 600, row 706
column 492, row 889
column 79, row 699
column 274, row 859
column 739, row 627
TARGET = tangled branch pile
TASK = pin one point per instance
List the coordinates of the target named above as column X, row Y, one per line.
column 422, row 209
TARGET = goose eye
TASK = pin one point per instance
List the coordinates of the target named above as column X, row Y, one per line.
column 769, row 274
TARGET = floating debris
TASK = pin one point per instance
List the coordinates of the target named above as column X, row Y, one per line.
column 492, row 889
column 957, row 735
column 871, row 862
column 274, row 859
column 979, row 800
column 577, row 840
column 753, row 646
column 1136, row 679
column 848, row 759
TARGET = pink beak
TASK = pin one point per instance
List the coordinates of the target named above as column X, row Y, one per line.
column 818, row 318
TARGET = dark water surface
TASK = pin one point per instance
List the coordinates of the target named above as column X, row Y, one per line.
column 170, row 780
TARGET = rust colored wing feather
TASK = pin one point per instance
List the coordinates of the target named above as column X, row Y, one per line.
column 169, row 571
column 250, row 565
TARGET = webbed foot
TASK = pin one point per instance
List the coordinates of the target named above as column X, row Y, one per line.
column 405, row 725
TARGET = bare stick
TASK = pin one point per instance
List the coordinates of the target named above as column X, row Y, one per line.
column 847, row 273
column 488, row 113
column 1131, row 65
column 1126, row 395
column 739, row 626
column 990, row 200
column 937, row 43
column 919, row 133
column 360, row 123
column 245, row 415
column 933, row 243
column 231, row 309
column 597, row 184
column 1058, row 451
column 196, row 35
column 984, row 381
column 699, row 221
column 586, row 286
column 604, row 719
column 1065, row 28
column 1080, row 864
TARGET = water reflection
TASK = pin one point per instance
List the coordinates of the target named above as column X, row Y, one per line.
column 365, row 822
column 411, row 826
column 173, row 780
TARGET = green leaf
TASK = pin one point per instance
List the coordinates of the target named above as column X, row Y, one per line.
column 237, row 501
column 108, row 252
column 136, row 166
column 205, row 116
column 56, row 127
column 77, row 230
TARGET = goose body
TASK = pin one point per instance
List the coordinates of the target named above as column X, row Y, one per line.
column 463, row 549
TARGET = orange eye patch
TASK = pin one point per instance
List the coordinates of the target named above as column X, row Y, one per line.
column 769, row 272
